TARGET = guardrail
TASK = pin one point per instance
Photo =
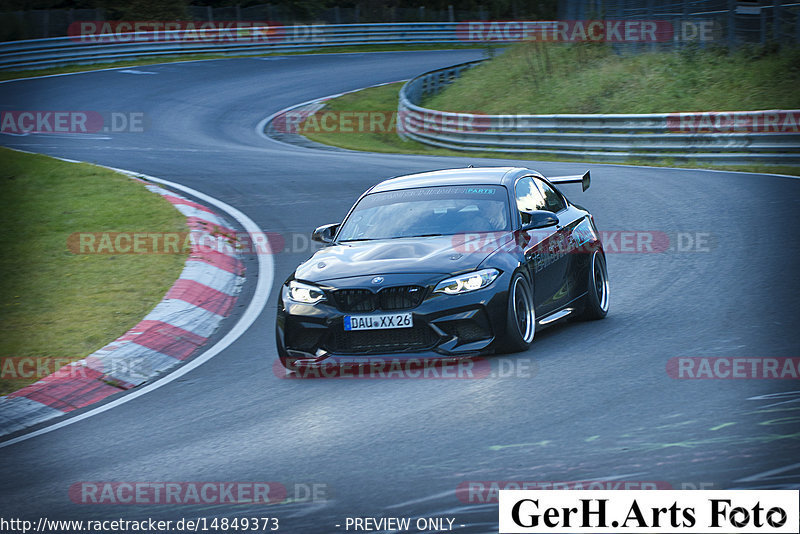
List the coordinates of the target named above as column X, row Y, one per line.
column 601, row 137
column 707, row 138
column 239, row 40
column 121, row 41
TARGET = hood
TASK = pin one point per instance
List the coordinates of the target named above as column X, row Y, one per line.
column 435, row 255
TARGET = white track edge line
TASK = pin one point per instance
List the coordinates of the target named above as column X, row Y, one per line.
column 224, row 57
column 266, row 274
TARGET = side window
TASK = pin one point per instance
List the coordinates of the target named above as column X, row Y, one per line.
column 529, row 198
column 552, row 200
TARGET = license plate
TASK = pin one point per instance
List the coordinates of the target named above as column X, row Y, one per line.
column 377, row 322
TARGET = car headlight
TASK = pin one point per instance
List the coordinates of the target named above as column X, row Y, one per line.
column 305, row 293
column 464, row 283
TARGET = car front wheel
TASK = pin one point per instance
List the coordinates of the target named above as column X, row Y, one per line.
column 521, row 321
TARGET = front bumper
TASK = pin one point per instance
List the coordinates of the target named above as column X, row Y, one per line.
column 446, row 327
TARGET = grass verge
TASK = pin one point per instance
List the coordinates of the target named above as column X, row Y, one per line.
column 384, row 99
column 58, row 306
column 542, row 78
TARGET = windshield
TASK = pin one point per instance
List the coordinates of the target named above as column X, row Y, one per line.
column 428, row 211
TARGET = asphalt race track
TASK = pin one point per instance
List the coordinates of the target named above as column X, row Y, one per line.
column 589, row 401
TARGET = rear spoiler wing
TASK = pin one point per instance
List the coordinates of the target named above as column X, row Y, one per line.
column 582, row 179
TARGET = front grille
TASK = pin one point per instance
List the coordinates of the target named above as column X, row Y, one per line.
column 387, row 298
column 355, row 300
column 381, row 341
column 400, row 297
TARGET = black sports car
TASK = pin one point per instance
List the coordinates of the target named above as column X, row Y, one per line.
column 444, row 264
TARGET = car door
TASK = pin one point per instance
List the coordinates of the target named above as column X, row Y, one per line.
column 540, row 247
column 561, row 245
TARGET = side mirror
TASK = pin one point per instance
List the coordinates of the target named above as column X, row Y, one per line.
column 325, row 233
column 539, row 219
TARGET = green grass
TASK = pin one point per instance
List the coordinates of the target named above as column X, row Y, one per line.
column 15, row 74
column 56, row 304
column 384, row 99
column 541, row 78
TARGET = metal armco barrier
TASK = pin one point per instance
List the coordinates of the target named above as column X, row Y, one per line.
column 96, row 41
column 770, row 136
column 78, row 49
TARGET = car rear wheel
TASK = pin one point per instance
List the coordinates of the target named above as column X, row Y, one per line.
column 521, row 321
column 596, row 300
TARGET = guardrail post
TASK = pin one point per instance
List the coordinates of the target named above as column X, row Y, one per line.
column 777, row 14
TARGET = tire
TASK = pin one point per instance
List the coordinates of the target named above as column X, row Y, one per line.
column 521, row 317
column 596, row 300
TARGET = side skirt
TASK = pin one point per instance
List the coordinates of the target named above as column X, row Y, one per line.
column 564, row 312
column 553, row 317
